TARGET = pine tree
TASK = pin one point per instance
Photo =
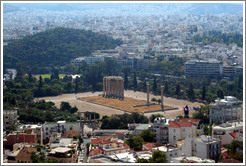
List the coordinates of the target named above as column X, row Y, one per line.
column 126, row 79
column 220, row 94
column 177, row 90
column 203, row 92
column 135, row 84
column 155, row 86
column 190, row 92
column 166, row 88
column 40, row 85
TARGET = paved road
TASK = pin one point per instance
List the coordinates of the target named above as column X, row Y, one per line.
column 86, row 140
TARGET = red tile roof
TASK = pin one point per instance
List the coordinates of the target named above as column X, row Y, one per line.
column 234, row 135
column 230, row 161
column 99, row 140
column 225, row 155
column 94, row 152
column 189, row 120
column 174, row 124
column 151, row 145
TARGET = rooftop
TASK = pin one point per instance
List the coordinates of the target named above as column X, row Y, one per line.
column 60, row 150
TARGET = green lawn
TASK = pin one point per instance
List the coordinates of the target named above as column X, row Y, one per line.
column 48, row 76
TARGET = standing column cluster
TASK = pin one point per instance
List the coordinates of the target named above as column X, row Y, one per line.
column 113, row 86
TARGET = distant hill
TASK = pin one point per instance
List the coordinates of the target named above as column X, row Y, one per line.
column 137, row 8
column 9, row 8
column 55, row 47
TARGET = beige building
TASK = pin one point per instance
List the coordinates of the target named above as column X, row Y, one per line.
column 63, row 155
column 226, row 109
column 22, row 154
column 180, row 130
column 9, row 120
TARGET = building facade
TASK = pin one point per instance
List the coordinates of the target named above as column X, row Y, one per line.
column 60, row 127
column 9, row 120
column 226, row 109
column 198, row 68
column 160, row 128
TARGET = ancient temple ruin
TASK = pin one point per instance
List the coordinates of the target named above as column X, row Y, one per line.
column 113, row 87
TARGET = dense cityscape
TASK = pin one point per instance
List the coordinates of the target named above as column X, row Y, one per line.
column 123, row 83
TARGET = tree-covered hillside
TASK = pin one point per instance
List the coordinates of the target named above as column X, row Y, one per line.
column 55, row 47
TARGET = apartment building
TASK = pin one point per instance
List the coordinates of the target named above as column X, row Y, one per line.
column 226, row 109
column 227, row 132
column 9, row 120
column 180, row 130
column 60, row 127
column 160, row 128
column 202, row 68
column 33, row 129
column 204, row 147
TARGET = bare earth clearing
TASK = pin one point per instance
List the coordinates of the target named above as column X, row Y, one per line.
column 102, row 110
column 126, row 104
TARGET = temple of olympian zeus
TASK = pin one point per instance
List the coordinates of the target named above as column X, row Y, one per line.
column 113, row 86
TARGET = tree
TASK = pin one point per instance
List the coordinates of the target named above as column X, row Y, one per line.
column 73, row 110
column 166, row 88
column 190, row 92
column 30, row 79
column 177, row 90
column 40, row 85
column 148, row 135
column 76, row 84
column 155, row 86
column 126, row 79
column 65, row 106
column 153, row 116
column 220, row 94
column 137, row 143
column 158, row 157
column 203, row 92
column 153, row 99
column 135, row 83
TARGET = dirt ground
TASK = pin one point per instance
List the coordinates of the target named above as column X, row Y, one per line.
column 102, row 110
column 126, row 104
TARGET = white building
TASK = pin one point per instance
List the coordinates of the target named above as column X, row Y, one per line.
column 227, row 132
column 60, row 127
column 204, row 147
column 191, row 159
column 170, row 151
column 160, row 128
column 226, row 109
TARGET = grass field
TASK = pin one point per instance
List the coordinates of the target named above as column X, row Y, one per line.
column 47, row 76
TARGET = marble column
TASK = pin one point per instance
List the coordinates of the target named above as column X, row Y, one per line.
column 147, row 93
column 104, row 86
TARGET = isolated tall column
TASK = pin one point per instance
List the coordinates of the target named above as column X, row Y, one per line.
column 147, row 93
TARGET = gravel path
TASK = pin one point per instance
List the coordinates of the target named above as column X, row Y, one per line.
column 84, row 106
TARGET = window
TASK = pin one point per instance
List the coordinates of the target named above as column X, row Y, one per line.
column 174, row 130
column 183, row 130
column 174, row 137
